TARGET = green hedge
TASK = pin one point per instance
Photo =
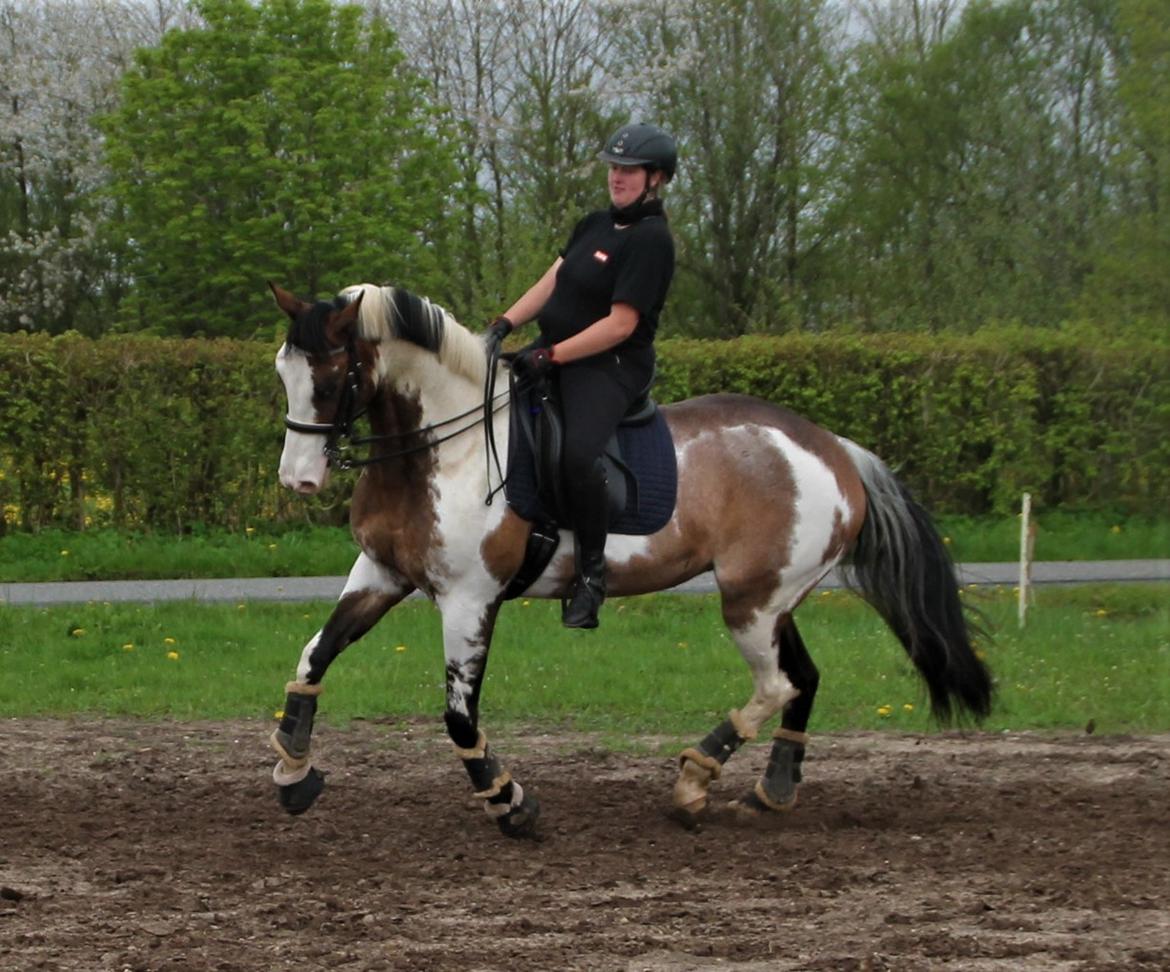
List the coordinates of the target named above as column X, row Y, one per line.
column 175, row 435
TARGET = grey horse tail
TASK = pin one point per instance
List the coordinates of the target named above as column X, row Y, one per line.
column 900, row 565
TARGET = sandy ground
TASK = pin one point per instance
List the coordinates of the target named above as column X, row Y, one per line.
column 127, row 845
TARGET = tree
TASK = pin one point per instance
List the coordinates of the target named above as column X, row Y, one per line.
column 1130, row 283
column 61, row 65
column 751, row 90
column 285, row 139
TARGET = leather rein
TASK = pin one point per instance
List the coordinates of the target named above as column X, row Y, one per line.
column 340, row 439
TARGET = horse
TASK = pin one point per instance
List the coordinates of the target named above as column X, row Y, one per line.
column 766, row 499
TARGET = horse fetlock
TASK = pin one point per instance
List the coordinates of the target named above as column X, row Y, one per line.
column 293, row 736
column 491, row 782
column 776, row 789
column 696, row 771
column 699, row 766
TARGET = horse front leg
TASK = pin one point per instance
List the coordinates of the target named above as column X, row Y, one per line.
column 370, row 591
column 467, row 633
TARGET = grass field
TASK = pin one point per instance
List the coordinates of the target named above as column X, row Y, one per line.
column 53, row 555
column 662, row 665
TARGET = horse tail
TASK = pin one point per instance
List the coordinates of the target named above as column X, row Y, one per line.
column 900, row 565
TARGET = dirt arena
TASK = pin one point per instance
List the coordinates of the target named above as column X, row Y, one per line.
column 136, row 846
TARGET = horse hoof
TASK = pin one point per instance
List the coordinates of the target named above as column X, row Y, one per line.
column 296, row 798
column 751, row 807
column 686, row 818
column 520, row 821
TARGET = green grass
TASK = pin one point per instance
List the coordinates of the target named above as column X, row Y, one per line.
column 662, row 665
column 55, row 555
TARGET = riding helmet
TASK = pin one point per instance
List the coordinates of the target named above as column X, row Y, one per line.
column 641, row 144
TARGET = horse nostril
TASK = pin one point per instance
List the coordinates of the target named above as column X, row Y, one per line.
column 306, row 487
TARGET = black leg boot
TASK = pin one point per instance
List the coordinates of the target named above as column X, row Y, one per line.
column 591, row 519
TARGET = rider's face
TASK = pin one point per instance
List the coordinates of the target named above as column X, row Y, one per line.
column 628, row 182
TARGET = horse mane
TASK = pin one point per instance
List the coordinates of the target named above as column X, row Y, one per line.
column 394, row 313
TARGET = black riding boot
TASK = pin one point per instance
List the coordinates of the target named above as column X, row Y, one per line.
column 591, row 525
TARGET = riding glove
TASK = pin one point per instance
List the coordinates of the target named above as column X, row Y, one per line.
column 499, row 329
column 533, row 364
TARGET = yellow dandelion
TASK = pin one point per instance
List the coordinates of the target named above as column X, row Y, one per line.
column 173, row 655
column 981, row 654
column 826, row 593
column 278, row 714
column 947, row 541
column 240, row 607
column 64, row 553
column 77, row 632
column 400, row 647
column 682, row 644
column 129, row 646
column 249, row 530
column 1101, row 613
column 885, row 710
column 907, row 707
column 168, row 641
column 272, row 546
column 1115, row 529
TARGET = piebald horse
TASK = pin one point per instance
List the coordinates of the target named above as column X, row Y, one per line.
column 766, row 499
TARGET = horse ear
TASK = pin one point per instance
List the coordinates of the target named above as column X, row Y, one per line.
column 340, row 325
column 287, row 302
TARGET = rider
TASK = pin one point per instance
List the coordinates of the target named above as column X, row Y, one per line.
column 598, row 306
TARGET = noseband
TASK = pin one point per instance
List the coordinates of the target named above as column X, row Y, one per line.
column 340, row 439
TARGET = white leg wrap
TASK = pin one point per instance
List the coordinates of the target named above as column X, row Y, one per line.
column 500, row 809
column 285, row 777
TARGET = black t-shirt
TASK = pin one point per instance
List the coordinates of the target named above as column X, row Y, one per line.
column 604, row 265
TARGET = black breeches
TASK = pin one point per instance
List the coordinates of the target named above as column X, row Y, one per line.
column 595, row 394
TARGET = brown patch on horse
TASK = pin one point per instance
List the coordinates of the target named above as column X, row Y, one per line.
column 725, row 435
column 502, row 549
column 393, row 514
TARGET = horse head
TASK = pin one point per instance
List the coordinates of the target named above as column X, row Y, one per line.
column 328, row 376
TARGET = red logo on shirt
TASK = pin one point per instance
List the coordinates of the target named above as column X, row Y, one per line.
column 601, row 256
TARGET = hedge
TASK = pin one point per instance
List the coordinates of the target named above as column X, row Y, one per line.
column 173, row 435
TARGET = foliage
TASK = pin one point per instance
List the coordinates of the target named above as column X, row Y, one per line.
column 874, row 165
column 285, row 139
column 178, row 435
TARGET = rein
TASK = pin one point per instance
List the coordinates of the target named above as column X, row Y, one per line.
column 341, row 428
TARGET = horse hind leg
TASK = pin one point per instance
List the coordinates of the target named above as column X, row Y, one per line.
column 776, row 790
column 758, row 637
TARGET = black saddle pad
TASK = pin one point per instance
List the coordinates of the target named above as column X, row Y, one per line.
column 648, row 451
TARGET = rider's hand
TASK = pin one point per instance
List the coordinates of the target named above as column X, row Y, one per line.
column 533, row 364
column 499, row 329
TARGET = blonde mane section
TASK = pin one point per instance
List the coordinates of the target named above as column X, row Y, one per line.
column 459, row 349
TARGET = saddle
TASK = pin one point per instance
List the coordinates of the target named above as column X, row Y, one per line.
column 641, row 473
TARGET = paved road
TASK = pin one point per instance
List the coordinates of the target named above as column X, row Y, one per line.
column 328, row 588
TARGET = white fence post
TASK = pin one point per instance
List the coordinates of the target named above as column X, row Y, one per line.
column 1027, row 543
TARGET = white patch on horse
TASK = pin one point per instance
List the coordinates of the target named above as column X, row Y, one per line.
column 303, row 665
column 819, row 506
column 303, row 465
column 367, row 574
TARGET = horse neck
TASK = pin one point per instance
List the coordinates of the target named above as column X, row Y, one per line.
column 415, row 390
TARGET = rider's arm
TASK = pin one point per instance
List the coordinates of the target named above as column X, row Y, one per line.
column 528, row 306
column 599, row 336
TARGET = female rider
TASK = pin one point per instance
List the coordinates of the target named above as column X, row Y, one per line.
column 598, row 306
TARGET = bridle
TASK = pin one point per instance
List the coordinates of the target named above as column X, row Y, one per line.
column 340, row 440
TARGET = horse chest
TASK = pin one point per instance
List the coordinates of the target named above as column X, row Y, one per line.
column 397, row 526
